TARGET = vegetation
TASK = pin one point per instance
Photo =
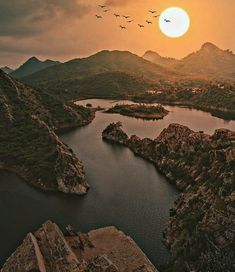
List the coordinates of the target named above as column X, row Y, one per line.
column 140, row 111
column 28, row 143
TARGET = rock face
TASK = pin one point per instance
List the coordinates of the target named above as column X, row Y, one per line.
column 201, row 231
column 104, row 250
column 29, row 145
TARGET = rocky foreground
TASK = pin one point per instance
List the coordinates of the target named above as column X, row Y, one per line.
column 29, row 144
column 201, row 230
column 104, row 250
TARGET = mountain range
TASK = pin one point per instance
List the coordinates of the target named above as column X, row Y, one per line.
column 31, row 66
column 210, row 61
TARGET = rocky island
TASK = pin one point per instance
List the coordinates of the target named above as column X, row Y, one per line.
column 142, row 111
column 104, row 250
column 201, row 230
column 29, row 144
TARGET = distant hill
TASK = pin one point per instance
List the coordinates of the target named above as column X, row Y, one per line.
column 157, row 59
column 6, row 70
column 210, row 62
column 31, row 66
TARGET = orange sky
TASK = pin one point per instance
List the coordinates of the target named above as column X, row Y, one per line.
column 70, row 35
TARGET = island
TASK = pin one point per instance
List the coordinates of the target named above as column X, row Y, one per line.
column 143, row 111
column 30, row 147
column 105, row 250
column 201, row 229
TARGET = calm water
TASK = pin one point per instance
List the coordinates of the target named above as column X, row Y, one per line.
column 125, row 190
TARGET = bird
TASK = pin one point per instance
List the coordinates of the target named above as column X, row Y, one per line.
column 98, row 16
column 127, row 17
column 148, row 22
column 106, row 10
column 156, row 16
column 167, row 21
column 140, row 25
column 122, row 27
column 117, row 15
column 102, row 6
column 152, row 11
column 130, row 21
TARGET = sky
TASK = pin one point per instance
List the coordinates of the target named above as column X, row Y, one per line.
column 67, row 29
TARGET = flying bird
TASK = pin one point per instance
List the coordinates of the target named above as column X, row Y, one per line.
column 140, row 25
column 167, row 21
column 98, row 16
column 117, row 15
column 148, row 22
column 127, row 17
column 130, row 21
column 152, row 11
column 156, row 16
column 102, row 6
column 106, row 10
column 122, row 27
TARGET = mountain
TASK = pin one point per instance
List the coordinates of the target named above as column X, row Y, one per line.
column 31, row 66
column 157, row 59
column 6, row 70
column 210, row 61
column 29, row 144
column 109, row 64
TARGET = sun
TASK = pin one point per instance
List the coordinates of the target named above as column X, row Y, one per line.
column 174, row 22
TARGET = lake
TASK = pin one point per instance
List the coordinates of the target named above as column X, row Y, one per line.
column 126, row 191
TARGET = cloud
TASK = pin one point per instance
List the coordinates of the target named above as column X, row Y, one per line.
column 119, row 2
column 22, row 18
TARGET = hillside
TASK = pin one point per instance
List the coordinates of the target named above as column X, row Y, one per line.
column 29, row 145
column 6, row 70
column 157, row 59
column 210, row 61
column 100, row 66
column 31, row 66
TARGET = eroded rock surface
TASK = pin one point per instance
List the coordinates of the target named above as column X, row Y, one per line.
column 201, row 231
column 104, row 250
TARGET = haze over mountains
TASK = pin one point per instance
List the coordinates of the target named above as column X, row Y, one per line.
column 210, row 61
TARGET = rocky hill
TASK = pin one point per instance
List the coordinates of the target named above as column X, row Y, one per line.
column 201, row 231
column 31, row 66
column 104, row 250
column 29, row 145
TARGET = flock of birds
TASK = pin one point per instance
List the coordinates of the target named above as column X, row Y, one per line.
column 128, row 19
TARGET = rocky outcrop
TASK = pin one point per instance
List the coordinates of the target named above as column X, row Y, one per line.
column 201, row 231
column 29, row 144
column 104, row 250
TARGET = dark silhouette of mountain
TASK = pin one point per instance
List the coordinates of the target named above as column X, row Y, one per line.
column 158, row 59
column 31, row 66
column 6, row 69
